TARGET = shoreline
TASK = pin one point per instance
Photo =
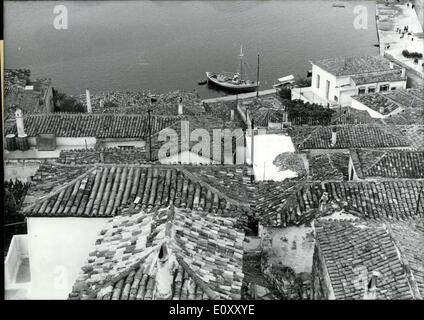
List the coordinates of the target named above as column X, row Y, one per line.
column 393, row 16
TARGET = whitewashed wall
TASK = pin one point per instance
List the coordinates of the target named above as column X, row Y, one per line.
column 291, row 246
column 355, row 104
column 21, row 171
column 187, row 157
column 115, row 144
column 58, row 248
column 324, row 76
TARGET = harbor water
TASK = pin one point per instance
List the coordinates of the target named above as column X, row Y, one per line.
column 168, row 45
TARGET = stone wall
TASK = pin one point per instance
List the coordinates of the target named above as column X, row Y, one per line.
column 287, row 259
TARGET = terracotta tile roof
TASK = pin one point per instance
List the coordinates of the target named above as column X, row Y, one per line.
column 50, row 177
column 329, row 167
column 419, row 93
column 381, row 76
column 16, row 77
column 169, row 253
column 27, row 100
column 414, row 133
column 350, row 250
column 349, row 136
column 345, row 66
column 407, row 100
column 101, row 190
column 295, row 203
column 93, row 125
column 103, row 155
column 409, row 241
column 388, row 163
column 206, row 124
column 348, row 115
column 376, row 102
column 138, row 102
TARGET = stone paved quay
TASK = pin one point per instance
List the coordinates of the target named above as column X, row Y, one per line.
column 389, row 19
column 240, row 96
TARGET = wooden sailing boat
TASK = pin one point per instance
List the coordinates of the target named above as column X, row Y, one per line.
column 233, row 81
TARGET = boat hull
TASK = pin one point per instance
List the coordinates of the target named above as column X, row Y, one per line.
column 229, row 86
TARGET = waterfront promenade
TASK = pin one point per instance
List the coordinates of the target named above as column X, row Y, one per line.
column 389, row 19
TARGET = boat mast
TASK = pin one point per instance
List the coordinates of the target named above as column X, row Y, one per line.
column 241, row 63
column 257, row 79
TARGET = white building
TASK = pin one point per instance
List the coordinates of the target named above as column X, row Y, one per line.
column 335, row 80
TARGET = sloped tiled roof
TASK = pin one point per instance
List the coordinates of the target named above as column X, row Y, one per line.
column 388, row 163
column 352, row 136
column 330, row 166
column 295, row 203
column 408, row 116
column 352, row 251
column 346, row 66
column 409, row 238
column 103, row 155
column 100, row 190
column 27, row 100
column 414, row 133
column 407, row 100
column 380, row 76
column 93, row 125
column 169, row 253
column 377, row 102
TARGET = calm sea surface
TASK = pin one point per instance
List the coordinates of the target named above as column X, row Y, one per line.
column 168, row 45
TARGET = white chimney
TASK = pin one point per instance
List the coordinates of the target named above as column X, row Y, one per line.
column 102, row 104
column 20, row 123
column 333, row 137
column 165, row 273
column 180, row 106
column 323, row 201
column 87, row 95
column 391, row 65
column 403, row 72
column 371, row 290
column 232, row 114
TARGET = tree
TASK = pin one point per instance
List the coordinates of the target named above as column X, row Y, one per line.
column 307, row 113
column 65, row 103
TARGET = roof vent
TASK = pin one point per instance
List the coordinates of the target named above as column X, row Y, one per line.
column 333, row 137
column 371, row 289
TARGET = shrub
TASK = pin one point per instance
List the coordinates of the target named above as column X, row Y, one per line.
column 413, row 55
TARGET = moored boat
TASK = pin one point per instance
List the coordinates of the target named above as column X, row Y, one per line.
column 233, row 81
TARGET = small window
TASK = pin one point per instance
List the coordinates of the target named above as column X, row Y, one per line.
column 318, row 80
column 336, row 98
column 393, row 88
column 361, row 90
column 371, row 89
column 126, row 147
column 384, row 87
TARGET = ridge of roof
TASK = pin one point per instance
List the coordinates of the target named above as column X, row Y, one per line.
column 134, row 240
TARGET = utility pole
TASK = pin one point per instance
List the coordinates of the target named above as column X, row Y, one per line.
column 150, row 133
column 252, row 175
column 257, row 79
